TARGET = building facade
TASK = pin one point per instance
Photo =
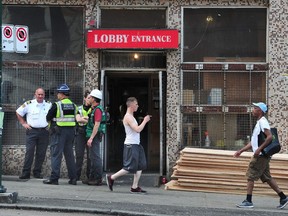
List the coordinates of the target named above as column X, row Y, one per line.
column 228, row 54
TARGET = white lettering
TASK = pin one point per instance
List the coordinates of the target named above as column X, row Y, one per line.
column 151, row 39
column 111, row 38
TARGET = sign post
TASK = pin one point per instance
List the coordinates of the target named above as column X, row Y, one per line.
column 4, row 197
column 2, row 188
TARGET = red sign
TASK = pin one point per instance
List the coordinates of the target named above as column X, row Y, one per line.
column 7, row 31
column 132, row 39
column 21, row 34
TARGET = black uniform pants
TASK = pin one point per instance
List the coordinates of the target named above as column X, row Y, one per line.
column 36, row 139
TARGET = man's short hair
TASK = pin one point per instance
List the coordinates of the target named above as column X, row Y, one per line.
column 86, row 93
column 130, row 100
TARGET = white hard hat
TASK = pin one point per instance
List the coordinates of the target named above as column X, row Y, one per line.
column 96, row 93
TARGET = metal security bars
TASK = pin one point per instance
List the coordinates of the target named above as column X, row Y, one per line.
column 216, row 107
column 19, row 81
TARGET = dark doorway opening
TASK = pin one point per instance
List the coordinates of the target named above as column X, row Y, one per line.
column 120, row 86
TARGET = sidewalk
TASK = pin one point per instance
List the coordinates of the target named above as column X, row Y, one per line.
column 33, row 194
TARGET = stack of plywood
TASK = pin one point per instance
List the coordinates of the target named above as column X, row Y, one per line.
column 218, row 171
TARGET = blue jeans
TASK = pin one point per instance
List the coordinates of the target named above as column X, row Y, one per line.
column 96, row 169
column 62, row 143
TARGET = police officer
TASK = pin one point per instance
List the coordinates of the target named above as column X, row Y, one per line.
column 81, row 139
column 95, row 129
column 62, row 117
column 37, row 135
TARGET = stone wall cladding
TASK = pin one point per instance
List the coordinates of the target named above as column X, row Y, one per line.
column 277, row 58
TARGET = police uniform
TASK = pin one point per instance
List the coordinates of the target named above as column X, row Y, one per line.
column 36, row 138
column 62, row 116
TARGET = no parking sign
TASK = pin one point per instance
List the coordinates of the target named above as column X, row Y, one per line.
column 21, row 39
column 8, row 38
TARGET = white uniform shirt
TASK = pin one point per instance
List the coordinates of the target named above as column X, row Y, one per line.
column 132, row 137
column 263, row 124
column 36, row 113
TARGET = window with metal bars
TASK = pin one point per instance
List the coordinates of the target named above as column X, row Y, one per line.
column 216, row 107
column 19, row 82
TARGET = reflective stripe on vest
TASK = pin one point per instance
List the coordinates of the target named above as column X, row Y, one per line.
column 65, row 120
column 83, row 113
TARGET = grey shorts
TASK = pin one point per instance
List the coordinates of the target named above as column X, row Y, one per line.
column 259, row 168
column 134, row 158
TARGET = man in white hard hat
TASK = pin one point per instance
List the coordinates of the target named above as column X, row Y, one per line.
column 95, row 129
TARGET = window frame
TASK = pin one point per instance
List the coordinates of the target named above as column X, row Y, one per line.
column 226, row 62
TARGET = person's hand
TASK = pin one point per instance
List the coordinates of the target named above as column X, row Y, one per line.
column 237, row 154
column 147, row 118
column 257, row 152
column 85, row 119
column 89, row 142
column 26, row 126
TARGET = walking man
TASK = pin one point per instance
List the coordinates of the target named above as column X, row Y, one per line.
column 81, row 139
column 259, row 163
column 37, row 135
column 95, row 129
column 134, row 160
column 62, row 117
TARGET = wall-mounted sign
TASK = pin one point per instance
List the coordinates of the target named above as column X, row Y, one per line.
column 132, row 39
column 21, row 39
column 15, row 38
column 8, row 38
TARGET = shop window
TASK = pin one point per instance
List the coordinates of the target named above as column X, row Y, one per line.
column 224, row 34
column 219, row 103
column 55, row 33
column 133, row 18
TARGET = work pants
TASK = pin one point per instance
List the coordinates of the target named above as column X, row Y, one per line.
column 62, row 143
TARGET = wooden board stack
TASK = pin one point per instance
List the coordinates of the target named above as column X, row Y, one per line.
column 207, row 170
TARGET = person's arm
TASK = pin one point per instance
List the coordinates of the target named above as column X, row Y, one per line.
column 52, row 112
column 81, row 119
column 20, row 113
column 245, row 148
column 129, row 120
column 97, row 121
column 22, row 121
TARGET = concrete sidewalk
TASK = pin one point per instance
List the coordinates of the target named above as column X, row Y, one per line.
column 33, row 194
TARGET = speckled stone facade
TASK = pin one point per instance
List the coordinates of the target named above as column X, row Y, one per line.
column 277, row 58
